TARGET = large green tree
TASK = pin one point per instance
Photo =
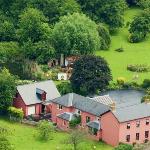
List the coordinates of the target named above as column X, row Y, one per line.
column 90, row 74
column 53, row 9
column 109, row 11
column 140, row 26
column 7, row 89
column 34, row 35
column 75, row 34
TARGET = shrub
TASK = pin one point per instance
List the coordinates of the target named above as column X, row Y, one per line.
column 146, row 83
column 136, row 37
column 124, row 147
column 119, row 49
column 138, row 68
column 73, row 123
column 5, row 144
column 64, row 88
column 45, row 68
column 145, row 98
column 121, row 80
column 15, row 114
column 45, row 129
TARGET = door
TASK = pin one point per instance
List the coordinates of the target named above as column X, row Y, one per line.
column 31, row 110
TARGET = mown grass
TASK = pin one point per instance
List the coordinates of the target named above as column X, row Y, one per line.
column 138, row 53
column 25, row 138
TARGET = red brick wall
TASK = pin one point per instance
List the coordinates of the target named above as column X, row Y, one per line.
column 83, row 118
column 62, row 124
column 19, row 103
column 56, row 111
column 110, row 129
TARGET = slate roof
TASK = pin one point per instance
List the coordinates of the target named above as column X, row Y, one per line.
column 28, row 91
column 66, row 116
column 94, row 124
column 105, row 99
column 82, row 103
column 128, row 105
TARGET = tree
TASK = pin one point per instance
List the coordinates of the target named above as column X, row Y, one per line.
column 109, row 12
column 35, row 34
column 144, row 3
column 7, row 29
column 90, row 73
column 45, row 130
column 124, row 147
column 7, row 90
column 140, row 27
column 64, row 88
column 75, row 34
column 76, row 137
column 53, row 9
column 33, row 26
column 105, row 37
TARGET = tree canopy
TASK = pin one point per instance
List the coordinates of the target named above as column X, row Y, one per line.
column 75, row 34
column 90, row 74
column 110, row 12
column 7, row 89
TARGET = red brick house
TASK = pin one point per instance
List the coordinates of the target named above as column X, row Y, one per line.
column 31, row 98
column 114, row 118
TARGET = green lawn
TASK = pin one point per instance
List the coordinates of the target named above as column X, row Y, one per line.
column 133, row 53
column 25, row 138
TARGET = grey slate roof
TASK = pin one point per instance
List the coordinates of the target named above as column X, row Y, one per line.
column 28, row 91
column 82, row 103
column 94, row 124
column 66, row 116
column 128, row 105
column 103, row 99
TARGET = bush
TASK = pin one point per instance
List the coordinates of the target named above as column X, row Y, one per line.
column 73, row 123
column 45, row 129
column 124, row 147
column 5, row 144
column 45, row 68
column 119, row 49
column 136, row 37
column 105, row 37
column 138, row 68
column 145, row 98
column 121, row 80
column 15, row 114
column 146, row 83
column 64, row 88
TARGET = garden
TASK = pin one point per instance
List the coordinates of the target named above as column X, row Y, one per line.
column 24, row 137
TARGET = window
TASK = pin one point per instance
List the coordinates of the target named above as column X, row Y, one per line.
column 137, row 123
column 87, row 119
column 128, row 125
column 147, row 121
column 146, row 134
column 79, row 112
column 60, row 107
column 128, row 138
column 64, row 123
column 137, row 136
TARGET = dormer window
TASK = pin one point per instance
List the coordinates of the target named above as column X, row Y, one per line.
column 41, row 94
column 128, row 125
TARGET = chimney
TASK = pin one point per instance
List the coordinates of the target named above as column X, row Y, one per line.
column 113, row 106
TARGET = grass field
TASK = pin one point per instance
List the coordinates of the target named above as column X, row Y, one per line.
column 25, row 138
column 133, row 53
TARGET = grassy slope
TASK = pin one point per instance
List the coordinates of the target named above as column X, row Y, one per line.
column 133, row 54
column 24, row 138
